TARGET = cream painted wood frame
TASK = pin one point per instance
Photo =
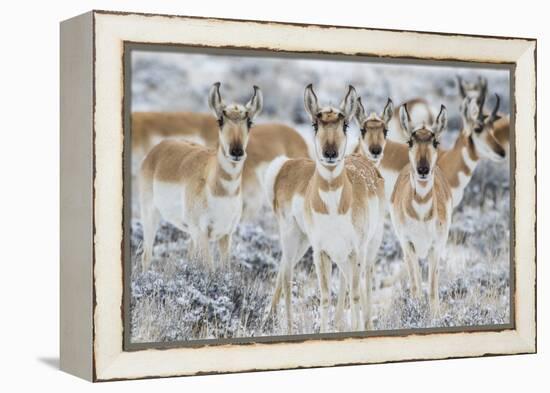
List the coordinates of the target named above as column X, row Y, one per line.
column 92, row 75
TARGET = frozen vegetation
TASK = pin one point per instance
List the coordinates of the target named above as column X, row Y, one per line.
column 178, row 300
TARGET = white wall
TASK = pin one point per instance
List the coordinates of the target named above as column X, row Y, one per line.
column 29, row 193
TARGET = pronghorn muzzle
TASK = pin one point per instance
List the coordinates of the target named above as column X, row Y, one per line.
column 330, row 152
column 423, row 168
column 236, row 151
column 375, row 150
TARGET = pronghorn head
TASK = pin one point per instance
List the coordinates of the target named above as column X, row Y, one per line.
column 475, row 89
column 235, row 121
column 330, row 125
column 480, row 127
column 423, row 142
column 373, row 129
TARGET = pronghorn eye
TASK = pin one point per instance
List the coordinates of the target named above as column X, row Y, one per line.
column 315, row 126
column 345, row 127
column 363, row 131
column 385, row 132
column 249, row 123
column 435, row 143
column 220, row 122
column 410, row 143
column 478, row 129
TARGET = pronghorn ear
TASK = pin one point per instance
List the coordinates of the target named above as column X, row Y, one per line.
column 405, row 120
column 461, row 88
column 360, row 112
column 256, row 103
column 440, row 122
column 388, row 111
column 349, row 103
column 215, row 101
column 310, row 102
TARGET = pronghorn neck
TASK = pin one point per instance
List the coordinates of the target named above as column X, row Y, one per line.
column 458, row 165
column 226, row 176
column 422, row 198
column 330, row 177
column 330, row 189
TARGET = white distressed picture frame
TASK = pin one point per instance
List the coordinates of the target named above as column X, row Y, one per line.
column 92, row 173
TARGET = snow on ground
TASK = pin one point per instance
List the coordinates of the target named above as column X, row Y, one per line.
column 179, row 300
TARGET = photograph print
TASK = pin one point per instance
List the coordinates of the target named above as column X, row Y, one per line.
column 272, row 197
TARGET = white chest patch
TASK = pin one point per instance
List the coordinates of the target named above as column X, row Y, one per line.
column 421, row 234
column 335, row 235
column 331, row 199
column 222, row 216
column 422, row 209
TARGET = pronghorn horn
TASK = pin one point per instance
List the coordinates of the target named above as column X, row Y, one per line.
column 441, row 121
column 461, row 86
column 494, row 113
column 481, row 100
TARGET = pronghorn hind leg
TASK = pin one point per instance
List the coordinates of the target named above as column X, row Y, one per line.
column 294, row 245
column 150, row 218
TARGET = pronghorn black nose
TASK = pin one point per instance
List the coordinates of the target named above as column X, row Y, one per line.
column 330, row 153
column 423, row 170
column 236, row 151
column 376, row 150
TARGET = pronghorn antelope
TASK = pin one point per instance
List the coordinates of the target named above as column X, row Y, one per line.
column 371, row 144
column 334, row 204
column 267, row 142
column 420, row 112
column 421, row 204
column 475, row 141
column 198, row 189
column 501, row 126
column 393, row 156
column 458, row 163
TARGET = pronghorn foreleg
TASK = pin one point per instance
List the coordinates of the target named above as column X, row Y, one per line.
column 202, row 248
column 433, row 281
column 224, row 246
column 342, row 296
column 321, row 261
column 354, row 272
column 413, row 267
column 192, row 249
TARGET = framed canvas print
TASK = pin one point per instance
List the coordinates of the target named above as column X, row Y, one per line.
column 246, row 195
